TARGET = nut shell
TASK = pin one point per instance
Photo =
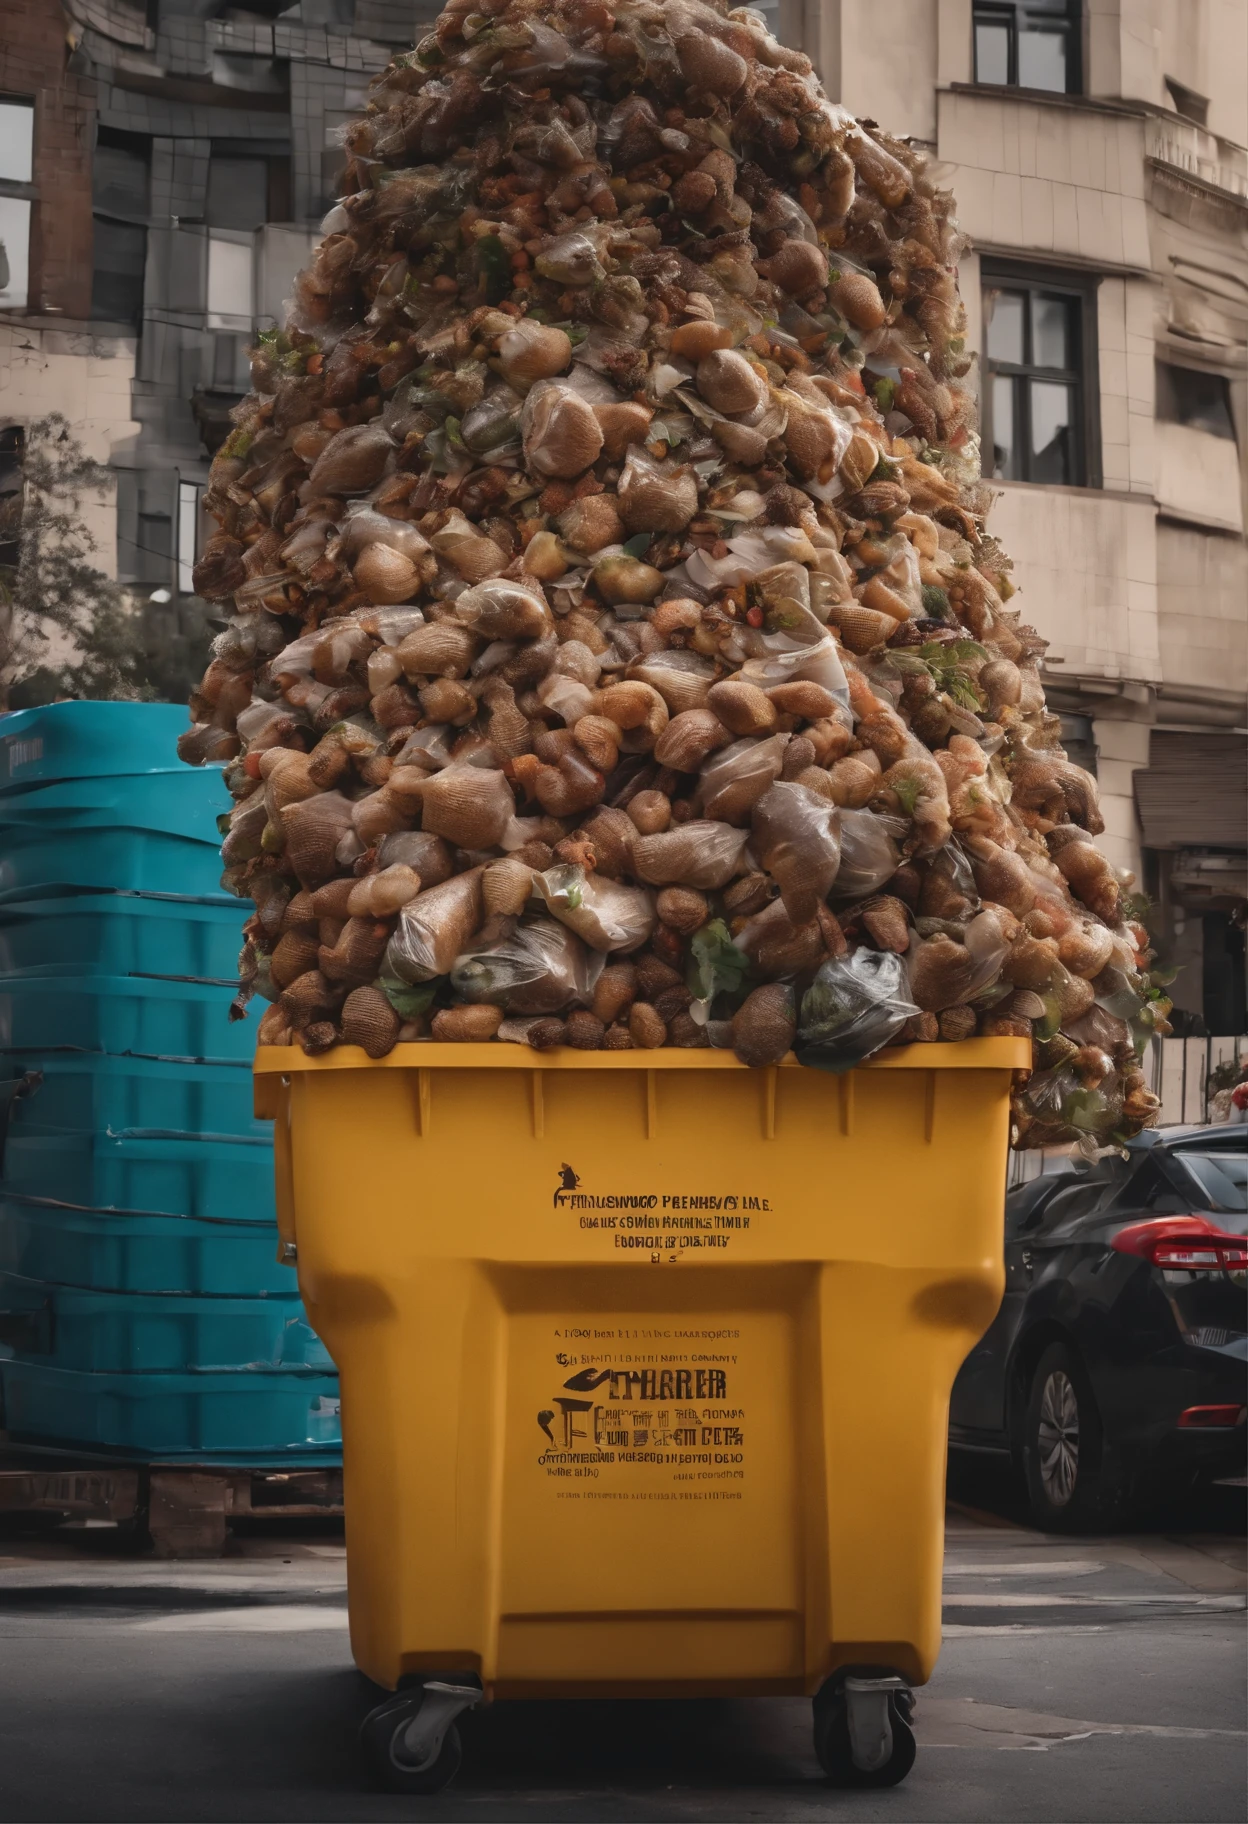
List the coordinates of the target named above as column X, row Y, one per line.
column 729, row 384
column 368, row 1020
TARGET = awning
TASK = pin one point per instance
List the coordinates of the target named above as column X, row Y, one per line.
column 1194, row 792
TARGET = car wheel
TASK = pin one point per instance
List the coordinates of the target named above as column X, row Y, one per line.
column 1063, row 1446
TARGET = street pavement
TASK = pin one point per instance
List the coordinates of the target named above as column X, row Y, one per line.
column 1081, row 1679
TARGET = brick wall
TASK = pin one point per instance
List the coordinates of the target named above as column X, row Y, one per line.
column 33, row 53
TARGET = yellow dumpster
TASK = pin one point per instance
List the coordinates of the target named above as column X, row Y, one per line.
column 645, row 1364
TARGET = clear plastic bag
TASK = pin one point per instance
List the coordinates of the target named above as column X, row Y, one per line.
column 796, row 646
column 606, row 914
column 869, row 852
column 537, row 968
column 734, row 779
column 1058, row 1106
column 435, row 927
column 944, row 973
column 797, row 839
column 777, row 949
column 697, row 854
column 682, row 678
column 855, row 1004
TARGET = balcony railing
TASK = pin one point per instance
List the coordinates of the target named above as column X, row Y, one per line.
column 1189, row 148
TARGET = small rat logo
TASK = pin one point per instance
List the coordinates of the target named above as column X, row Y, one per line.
column 568, row 1181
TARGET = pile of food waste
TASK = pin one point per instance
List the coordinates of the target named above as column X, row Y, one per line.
column 615, row 656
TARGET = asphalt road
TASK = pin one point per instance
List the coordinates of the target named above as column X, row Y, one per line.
column 1094, row 1679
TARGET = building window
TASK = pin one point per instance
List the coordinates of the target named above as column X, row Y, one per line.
column 230, row 283
column 120, row 178
column 117, row 278
column 154, row 547
column 17, row 139
column 238, row 192
column 1039, row 356
column 188, row 534
column 14, row 252
column 1033, row 44
column 1202, row 401
column 248, row 185
column 17, row 170
column 1188, row 102
column 1079, row 742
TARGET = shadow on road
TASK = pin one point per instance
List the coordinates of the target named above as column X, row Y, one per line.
column 988, row 1488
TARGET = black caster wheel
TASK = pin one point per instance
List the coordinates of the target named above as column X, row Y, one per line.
column 884, row 1739
column 391, row 1763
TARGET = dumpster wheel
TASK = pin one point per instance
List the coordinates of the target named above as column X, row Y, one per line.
column 411, row 1742
column 863, row 1733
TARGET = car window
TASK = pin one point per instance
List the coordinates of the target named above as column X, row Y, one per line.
column 1150, row 1188
column 1220, row 1180
column 1024, row 1207
column 1070, row 1205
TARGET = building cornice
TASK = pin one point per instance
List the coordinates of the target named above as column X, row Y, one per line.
column 1074, row 262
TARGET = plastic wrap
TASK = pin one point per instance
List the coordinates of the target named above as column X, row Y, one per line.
column 945, row 973
column 855, row 1004
column 435, row 927
column 796, row 836
column 537, row 968
column 734, row 779
column 870, row 852
column 605, row 914
column 697, row 854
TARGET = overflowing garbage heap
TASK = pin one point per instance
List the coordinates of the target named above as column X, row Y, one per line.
column 615, row 655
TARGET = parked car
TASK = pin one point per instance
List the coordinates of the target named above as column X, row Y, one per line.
column 1118, row 1362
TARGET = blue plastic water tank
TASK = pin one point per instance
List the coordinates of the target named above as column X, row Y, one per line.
column 142, row 1307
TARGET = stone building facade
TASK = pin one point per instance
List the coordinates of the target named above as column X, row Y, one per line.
column 1097, row 151
column 183, row 152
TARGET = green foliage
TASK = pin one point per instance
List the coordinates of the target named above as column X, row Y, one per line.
column 407, row 998
column 66, row 629
column 1138, row 907
column 282, row 352
column 906, row 792
column 716, row 966
column 494, row 265
column 946, row 664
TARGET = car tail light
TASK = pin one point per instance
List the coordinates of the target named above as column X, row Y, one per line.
column 1188, row 1244
column 1217, row 1416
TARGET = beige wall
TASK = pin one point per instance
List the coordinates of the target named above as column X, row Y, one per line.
column 1127, row 386
column 87, row 379
column 1203, row 582
column 1134, row 45
column 1047, row 177
column 1198, row 476
column 1121, row 749
column 1085, row 565
column 888, row 61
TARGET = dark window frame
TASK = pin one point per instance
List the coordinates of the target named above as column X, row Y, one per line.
column 1012, row 13
column 1081, row 288
column 24, row 189
column 1172, row 408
